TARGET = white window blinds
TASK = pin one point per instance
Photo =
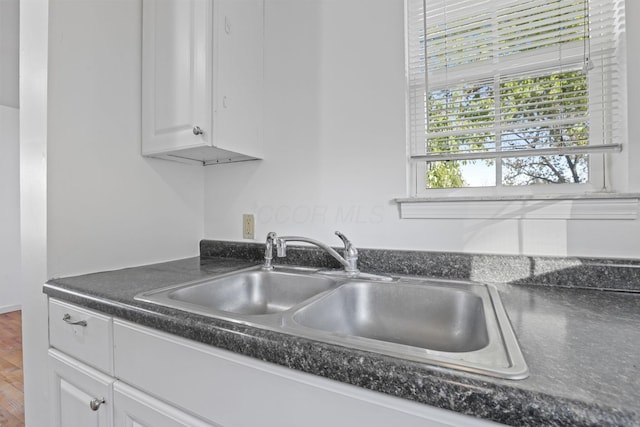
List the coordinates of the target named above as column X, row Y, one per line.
column 529, row 87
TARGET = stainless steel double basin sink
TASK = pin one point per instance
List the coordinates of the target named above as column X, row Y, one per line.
column 451, row 324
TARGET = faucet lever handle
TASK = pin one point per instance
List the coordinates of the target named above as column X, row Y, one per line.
column 268, row 251
column 344, row 238
column 348, row 246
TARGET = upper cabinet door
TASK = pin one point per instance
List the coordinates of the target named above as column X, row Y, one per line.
column 177, row 74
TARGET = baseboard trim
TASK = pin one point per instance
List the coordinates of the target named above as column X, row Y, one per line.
column 10, row 308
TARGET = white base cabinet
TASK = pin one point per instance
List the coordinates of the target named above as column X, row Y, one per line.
column 161, row 380
column 83, row 390
column 80, row 395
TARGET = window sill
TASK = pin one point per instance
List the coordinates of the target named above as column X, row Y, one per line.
column 585, row 206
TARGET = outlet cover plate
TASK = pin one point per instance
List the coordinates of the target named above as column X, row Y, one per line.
column 248, row 231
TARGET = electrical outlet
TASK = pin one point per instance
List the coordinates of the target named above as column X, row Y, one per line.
column 247, row 226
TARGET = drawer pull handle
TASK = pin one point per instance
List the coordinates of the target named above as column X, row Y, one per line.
column 67, row 318
column 95, row 404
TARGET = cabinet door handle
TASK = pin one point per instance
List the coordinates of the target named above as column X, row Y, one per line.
column 67, row 319
column 197, row 130
column 95, row 404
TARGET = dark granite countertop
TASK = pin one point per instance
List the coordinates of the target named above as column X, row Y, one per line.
column 582, row 347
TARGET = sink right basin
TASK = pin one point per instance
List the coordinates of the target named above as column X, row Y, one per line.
column 432, row 318
column 460, row 325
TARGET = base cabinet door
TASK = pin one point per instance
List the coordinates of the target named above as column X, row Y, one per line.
column 80, row 395
column 136, row 409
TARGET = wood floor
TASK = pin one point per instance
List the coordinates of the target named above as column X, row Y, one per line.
column 11, row 383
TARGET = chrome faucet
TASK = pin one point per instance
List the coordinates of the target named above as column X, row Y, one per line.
column 349, row 261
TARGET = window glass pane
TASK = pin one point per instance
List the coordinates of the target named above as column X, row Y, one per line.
column 461, row 119
column 566, row 169
column 461, row 173
column 545, row 111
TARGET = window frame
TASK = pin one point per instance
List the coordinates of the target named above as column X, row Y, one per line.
column 599, row 163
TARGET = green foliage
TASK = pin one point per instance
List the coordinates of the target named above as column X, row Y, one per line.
column 444, row 175
column 468, row 108
column 559, row 96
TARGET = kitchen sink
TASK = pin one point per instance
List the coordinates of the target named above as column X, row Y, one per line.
column 451, row 324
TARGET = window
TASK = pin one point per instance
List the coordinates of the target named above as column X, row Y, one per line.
column 509, row 96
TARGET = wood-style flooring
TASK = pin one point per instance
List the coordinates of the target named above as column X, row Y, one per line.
column 11, row 382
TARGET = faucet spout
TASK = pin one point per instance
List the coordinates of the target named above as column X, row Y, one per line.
column 349, row 261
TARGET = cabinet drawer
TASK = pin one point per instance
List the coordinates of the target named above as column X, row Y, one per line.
column 81, row 333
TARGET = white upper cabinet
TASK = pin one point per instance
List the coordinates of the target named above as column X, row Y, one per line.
column 202, row 80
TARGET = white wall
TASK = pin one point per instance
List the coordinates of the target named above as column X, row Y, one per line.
column 334, row 136
column 9, row 45
column 89, row 201
column 633, row 100
column 9, row 157
column 33, row 205
column 108, row 207
column 9, row 209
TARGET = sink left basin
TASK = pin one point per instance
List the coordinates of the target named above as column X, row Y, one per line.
column 246, row 293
